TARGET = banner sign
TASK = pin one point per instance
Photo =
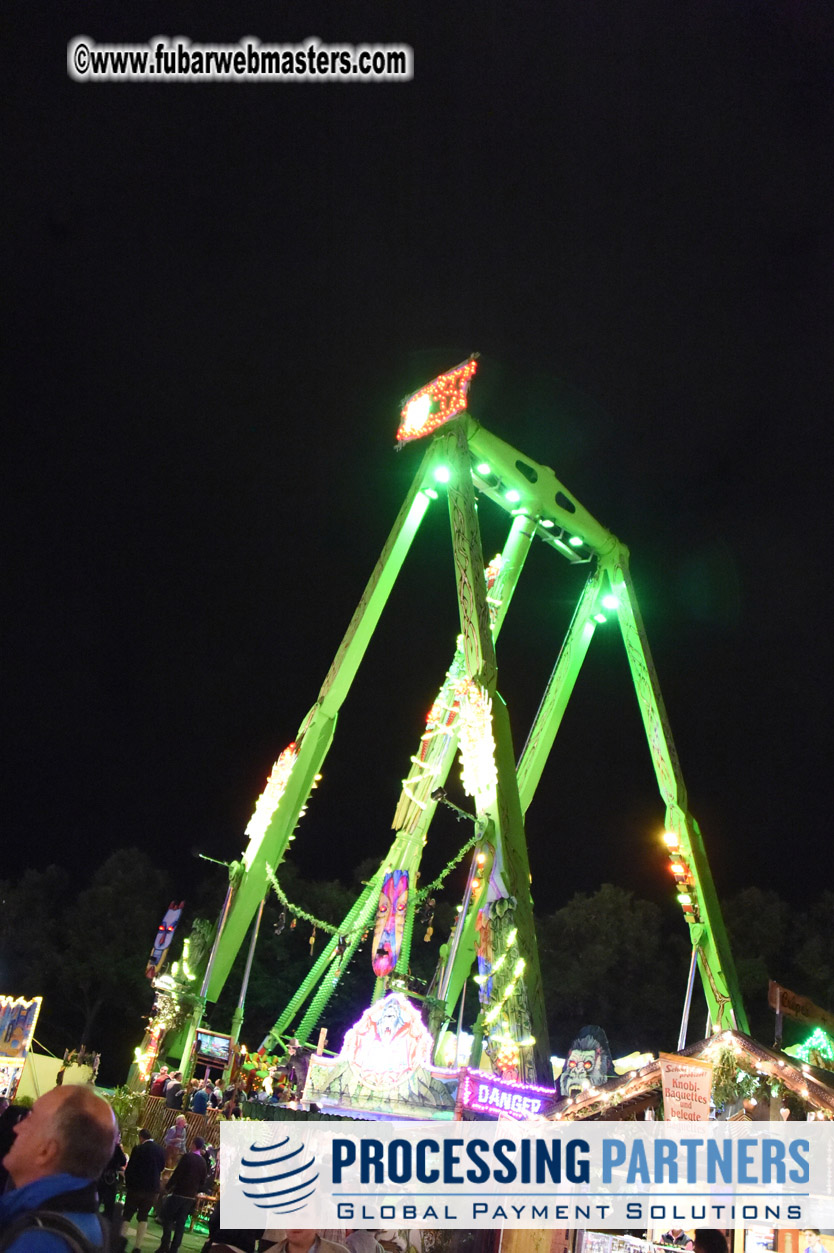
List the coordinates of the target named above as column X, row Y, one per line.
column 18, row 1018
column 799, row 1007
column 687, row 1085
column 482, row 1175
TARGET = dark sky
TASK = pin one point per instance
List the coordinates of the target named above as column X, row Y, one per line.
column 216, row 295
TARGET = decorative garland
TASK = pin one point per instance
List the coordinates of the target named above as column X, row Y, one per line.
column 296, row 912
column 438, row 882
column 419, row 897
column 731, row 1081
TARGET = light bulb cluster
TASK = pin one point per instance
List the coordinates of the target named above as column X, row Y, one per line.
column 507, row 1052
column 777, row 1069
column 477, row 745
column 446, row 708
column 439, row 401
column 145, row 1059
column 181, row 970
column 492, row 572
column 682, row 874
column 496, row 1009
column 495, row 484
column 440, row 721
column 511, row 939
column 276, row 785
column 595, row 1099
column 817, row 1049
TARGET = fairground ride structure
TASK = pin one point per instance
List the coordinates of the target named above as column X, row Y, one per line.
column 495, row 921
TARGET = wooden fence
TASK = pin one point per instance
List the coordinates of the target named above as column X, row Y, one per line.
column 157, row 1118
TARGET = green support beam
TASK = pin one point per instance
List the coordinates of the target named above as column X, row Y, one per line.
column 498, row 805
column 702, row 910
column 316, row 733
column 558, row 691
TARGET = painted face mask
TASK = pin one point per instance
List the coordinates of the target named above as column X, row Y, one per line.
column 164, row 936
column 390, row 920
column 589, row 1062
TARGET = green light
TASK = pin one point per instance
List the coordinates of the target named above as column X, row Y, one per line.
column 482, row 468
column 684, row 898
column 600, row 617
column 575, row 541
column 610, row 602
column 547, row 523
column 430, row 492
column 512, row 496
column 442, row 474
column 819, row 1042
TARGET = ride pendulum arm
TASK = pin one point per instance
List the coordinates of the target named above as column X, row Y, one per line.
column 296, row 773
column 501, row 871
column 415, row 810
column 570, row 528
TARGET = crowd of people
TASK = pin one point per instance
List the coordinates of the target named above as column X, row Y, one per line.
column 199, row 1096
column 62, row 1166
column 62, row 1163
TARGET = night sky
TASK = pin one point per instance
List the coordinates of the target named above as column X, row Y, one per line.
column 216, row 297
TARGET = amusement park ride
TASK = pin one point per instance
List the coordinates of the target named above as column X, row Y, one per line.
column 495, row 922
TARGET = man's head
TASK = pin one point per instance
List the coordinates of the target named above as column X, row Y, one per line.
column 199, row 1144
column 181, row 1120
column 69, row 1131
column 301, row 1237
column 144, row 1134
column 708, row 1240
column 177, row 1076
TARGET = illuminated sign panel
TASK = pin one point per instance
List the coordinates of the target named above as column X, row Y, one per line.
column 485, row 1094
column 439, row 401
column 18, row 1018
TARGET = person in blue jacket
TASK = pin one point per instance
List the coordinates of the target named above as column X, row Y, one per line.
column 58, row 1153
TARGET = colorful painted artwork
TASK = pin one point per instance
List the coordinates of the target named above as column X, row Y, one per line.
column 18, row 1018
column 483, row 951
column 390, row 921
column 384, row 1067
column 388, row 1042
column 164, row 936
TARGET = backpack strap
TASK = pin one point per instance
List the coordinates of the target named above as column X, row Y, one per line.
column 59, row 1225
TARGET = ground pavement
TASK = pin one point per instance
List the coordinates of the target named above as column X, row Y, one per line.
column 192, row 1241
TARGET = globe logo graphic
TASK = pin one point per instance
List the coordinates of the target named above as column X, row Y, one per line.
column 279, row 1177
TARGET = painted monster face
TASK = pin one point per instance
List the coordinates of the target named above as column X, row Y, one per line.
column 581, row 1067
column 390, row 920
column 589, row 1062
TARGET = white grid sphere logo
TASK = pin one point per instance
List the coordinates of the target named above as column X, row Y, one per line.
column 278, row 1177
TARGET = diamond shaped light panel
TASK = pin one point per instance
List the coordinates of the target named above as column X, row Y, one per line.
column 439, row 401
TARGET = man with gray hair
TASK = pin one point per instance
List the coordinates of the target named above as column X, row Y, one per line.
column 58, row 1153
